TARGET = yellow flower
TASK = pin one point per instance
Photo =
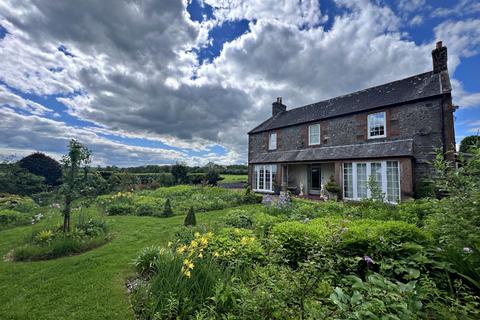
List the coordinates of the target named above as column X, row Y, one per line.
column 182, row 249
column 204, row 241
column 194, row 244
column 244, row 241
column 197, row 234
column 187, row 273
column 169, row 244
column 216, row 254
column 200, row 255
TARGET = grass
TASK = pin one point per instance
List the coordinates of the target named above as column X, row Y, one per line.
column 86, row 286
column 230, row 178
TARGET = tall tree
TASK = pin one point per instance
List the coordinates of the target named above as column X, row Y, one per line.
column 179, row 172
column 469, row 142
column 77, row 159
column 42, row 165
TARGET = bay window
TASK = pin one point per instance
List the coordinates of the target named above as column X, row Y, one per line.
column 264, row 177
column 386, row 174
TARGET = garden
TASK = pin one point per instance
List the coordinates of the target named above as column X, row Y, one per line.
column 199, row 251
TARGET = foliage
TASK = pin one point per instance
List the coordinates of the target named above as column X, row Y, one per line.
column 250, row 197
column 179, row 172
column 42, row 165
column 376, row 298
column 17, row 180
column 146, row 260
column 167, row 209
column 469, row 143
column 190, row 219
column 332, row 186
column 77, row 159
column 147, row 210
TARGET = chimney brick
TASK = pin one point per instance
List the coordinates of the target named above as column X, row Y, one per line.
column 439, row 56
column 278, row 107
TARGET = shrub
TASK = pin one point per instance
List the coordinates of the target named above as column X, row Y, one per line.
column 146, row 260
column 196, row 178
column 236, row 248
column 353, row 237
column 167, row 209
column 119, row 209
column 41, row 165
column 17, row 180
column 250, row 197
column 376, row 298
column 239, row 219
column 190, row 219
column 10, row 217
column 147, row 210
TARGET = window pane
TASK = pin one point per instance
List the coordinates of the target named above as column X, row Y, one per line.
column 272, row 144
column 347, row 180
column 268, row 182
column 362, row 182
column 393, row 181
column 314, row 134
column 261, row 178
column 376, row 124
column 376, row 173
column 255, row 177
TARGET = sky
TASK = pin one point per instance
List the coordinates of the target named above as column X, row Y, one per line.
column 155, row 82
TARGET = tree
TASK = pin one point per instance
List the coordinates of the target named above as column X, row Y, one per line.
column 179, row 172
column 469, row 142
column 42, row 165
column 167, row 209
column 190, row 219
column 78, row 158
column 17, row 180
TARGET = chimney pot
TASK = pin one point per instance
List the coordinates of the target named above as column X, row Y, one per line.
column 439, row 57
column 278, row 107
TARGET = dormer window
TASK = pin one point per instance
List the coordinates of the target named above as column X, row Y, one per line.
column 272, row 142
column 314, row 134
column 377, row 125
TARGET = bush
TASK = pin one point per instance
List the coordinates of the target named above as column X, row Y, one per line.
column 171, row 294
column 120, row 209
column 10, row 217
column 146, row 260
column 190, row 219
column 376, row 298
column 239, row 219
column 17, row 180
column 352, row 237
column 250, row 197
column 41, row 165
column 167, row 210
column 147, row 210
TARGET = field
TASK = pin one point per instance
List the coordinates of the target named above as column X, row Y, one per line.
column 231, row 178
column 87, row 286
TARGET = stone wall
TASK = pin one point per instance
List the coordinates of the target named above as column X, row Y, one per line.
column 420, row 121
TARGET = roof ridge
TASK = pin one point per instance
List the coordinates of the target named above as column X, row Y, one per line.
column 358, row 91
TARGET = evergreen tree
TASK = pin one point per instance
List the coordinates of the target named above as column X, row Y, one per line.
column 167, row 209
column 190, row 219
column 41, row 165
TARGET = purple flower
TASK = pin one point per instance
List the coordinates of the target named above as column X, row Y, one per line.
column 368, row 260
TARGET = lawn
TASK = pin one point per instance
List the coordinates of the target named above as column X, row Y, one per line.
column 87, row 286
column 230, row 178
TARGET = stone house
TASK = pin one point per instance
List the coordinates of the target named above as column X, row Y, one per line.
column 391, row 132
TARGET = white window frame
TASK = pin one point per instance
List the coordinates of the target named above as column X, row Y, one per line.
column 310, row 135
column 384, row 183
column 384, row 125
column 272, row 143
column 265, row 167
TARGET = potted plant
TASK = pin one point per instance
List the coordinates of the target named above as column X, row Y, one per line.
column 332, row 188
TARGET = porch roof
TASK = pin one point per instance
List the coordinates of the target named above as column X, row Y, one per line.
column 397, row 148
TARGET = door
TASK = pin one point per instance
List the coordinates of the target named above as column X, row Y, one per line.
column 315, row 178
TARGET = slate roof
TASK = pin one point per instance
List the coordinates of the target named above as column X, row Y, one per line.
column 413, row 88
column 397, row 148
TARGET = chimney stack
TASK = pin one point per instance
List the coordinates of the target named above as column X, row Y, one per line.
column 439, row 56
column 278, row 107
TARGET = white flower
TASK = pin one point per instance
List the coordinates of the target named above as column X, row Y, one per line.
column 467, row 250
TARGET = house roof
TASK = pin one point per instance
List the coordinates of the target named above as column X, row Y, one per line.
column 397, row 148
column 420, row 86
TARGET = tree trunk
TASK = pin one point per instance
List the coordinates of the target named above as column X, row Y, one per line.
column 66, row 214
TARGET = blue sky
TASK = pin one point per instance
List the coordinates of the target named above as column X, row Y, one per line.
column 189, row 81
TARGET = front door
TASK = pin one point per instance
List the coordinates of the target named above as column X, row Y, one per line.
column 315, row 180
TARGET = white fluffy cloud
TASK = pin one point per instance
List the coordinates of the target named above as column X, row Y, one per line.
column 130, row 68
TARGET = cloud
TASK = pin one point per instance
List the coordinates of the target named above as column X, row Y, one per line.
column 462, row 8
column 463, row 98
column 130, row 68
